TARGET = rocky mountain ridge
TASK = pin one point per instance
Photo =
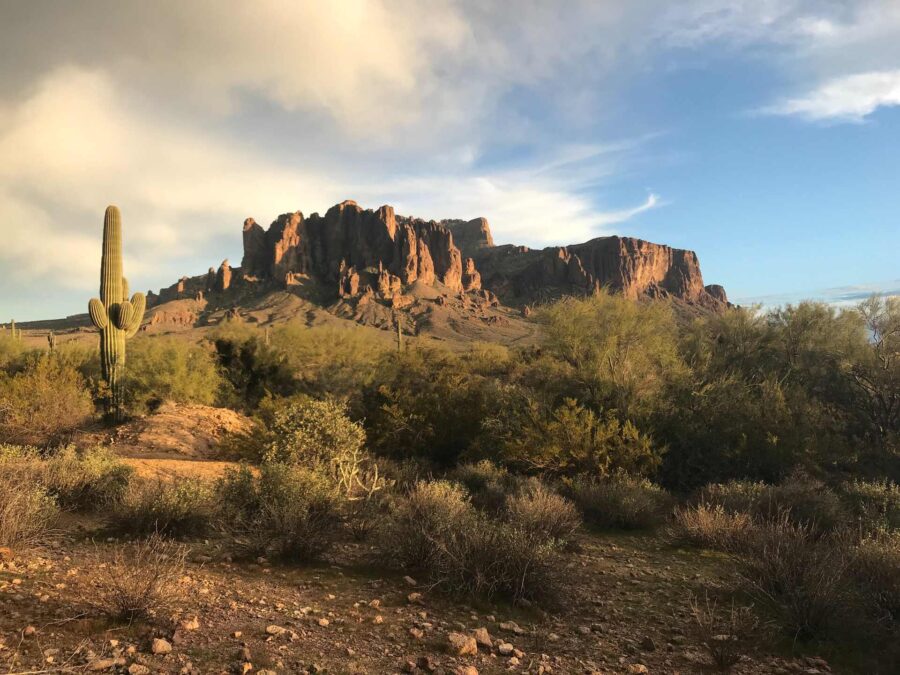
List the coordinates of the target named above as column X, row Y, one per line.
column 366, row 264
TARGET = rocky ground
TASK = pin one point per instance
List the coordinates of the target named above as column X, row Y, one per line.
column 625, row 609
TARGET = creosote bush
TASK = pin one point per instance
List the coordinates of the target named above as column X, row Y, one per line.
column 138, row 580
column 181, row 507
column 285, row 510
column 873, row 505
column 621, row 502
column 877, row 574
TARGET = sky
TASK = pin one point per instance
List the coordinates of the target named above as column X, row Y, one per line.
column 763, row 134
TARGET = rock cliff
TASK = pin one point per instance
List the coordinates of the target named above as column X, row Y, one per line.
column 365, row 254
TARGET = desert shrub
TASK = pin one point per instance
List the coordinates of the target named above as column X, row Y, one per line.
column 164, row 369
column 734, row 496
column 806, row 501
column 86, row 479
column 877, row 572
column 11, row 349
column 421, row 518
column 77, row 479
column 287, row 511
column 137, row 580
column 42, row 404
column 874, row 504
column 488, row 484
column 619, row 502
column 800, row 575
column 316, row 434
column 27, row 512
column 567, row 439
column 543, row 513
column 181, row 507
column 710, row 526
column 727, row 634
column 435, row 529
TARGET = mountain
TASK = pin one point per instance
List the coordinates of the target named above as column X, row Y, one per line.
column 444, row 278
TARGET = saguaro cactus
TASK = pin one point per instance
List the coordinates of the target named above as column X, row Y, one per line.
column 113, row 314
column 12, row 330
column 51, row 341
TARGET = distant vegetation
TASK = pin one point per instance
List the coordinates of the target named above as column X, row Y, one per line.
column 771, row 437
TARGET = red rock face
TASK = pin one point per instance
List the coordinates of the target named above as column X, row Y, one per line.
column 347, row 243
column 358, row 250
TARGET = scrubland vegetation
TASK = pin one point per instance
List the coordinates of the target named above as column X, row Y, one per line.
column 770, row 438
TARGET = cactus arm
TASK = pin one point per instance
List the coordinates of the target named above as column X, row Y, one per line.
column 98, row 313
column 123, row 315
column 139, row 303
column 124, row 289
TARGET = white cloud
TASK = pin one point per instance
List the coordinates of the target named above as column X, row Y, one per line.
column 841, row 296
column 848, row 98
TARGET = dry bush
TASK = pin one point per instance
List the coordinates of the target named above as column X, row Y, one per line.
column 140, row 580
column 727, row 634
column 802, row 576
column 78, row 479
column 436, row 530
column 620, row 502
column 710, row 526
column 874, row 504
column 806, row 502
column 734, row 496
column 181, row 507
column 488, row 484
column 286, row 511
column 27, row 512
column 543, row 513
column 877, row 572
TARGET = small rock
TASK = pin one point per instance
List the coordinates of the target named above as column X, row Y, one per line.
column 161, row 646
column 648, row 644
column 323, row 622
column 427, row 664
column 190, row 624
column 29, row 631
column 637, row 668
column 512, row 627
column 275, row 630
column 237, row 634
column 466, row 670
column 417, row 633
column 410, row 581
column 482, row 637
column 505, row 649
column 462, row 645
column 378, row 620
column 138, row 669
column 101, row 665
column 414, row 598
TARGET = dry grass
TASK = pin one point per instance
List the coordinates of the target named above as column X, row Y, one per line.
column 543, row 513
column 138, row 581
column 620, row 502
column 710, row 526
column 178, row 508
column 727, row 634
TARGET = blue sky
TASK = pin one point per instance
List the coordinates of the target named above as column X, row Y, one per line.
column 761, row 133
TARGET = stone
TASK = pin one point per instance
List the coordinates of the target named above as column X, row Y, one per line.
column 275, row 630
column 512, row 627
column 417, row 633
column 102, row 664
column 466, row 670
column 29, row 630
column 462, row 645
column 161, row 646
column 483, row 638
column 637, row 668
column 410, row 581
column 414, row 598
column 648, row 644
column 190, row 624
column 505, row 649
column 323, row 622
column 138, row 669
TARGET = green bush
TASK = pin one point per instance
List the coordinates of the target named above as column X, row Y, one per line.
column 543, row 513
column 164, row 369
column 181, row 507
column 315, row 434
column 286, row 511
column 488, row 484
column 27, row 512
column 874, row 504
column 619, row 502
column 43, row 404
column 806, row 502
column 734, row 497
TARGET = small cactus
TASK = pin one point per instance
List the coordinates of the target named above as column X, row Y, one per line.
column 14, row 333
column 113, row 314
column 51, row 341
